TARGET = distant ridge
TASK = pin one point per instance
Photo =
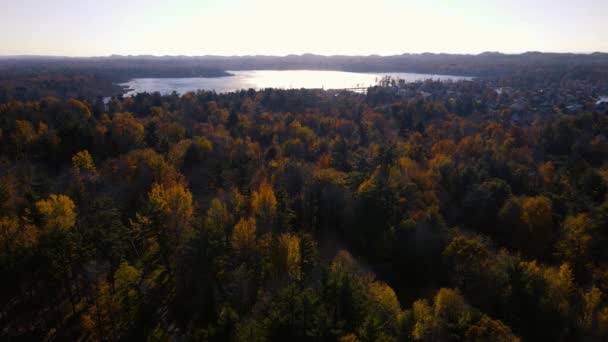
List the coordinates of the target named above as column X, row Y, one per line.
column 485, row 64
column 485, row 53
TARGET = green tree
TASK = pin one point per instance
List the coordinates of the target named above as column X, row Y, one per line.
column 296, row 315
column 345, row 295
column 451, row 316
column 470, row 258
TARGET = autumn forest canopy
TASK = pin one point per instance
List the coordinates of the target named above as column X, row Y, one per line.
column 429, row 211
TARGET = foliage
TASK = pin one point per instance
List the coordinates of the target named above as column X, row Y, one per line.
column 303, row 215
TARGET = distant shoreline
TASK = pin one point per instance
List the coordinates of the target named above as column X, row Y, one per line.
column 28, row 77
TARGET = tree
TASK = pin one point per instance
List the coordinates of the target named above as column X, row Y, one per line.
column 310, row 255
column 470, row 258
column 547, row 173
column 451, row 314
column 126, row 281
column 25, row 136
column 58, row 217
column 16, row 236
column 98, row 321
column 216, row 226
column 483, row 201
column 537, row 216
column 173, row 203
column 197, row 152
column 171, row 210
column 57, row 212
column 490, row 330
column 575, row 243
column 297, row 314
column 384, row 305
column 84, row 172
column 591, row 302
column 423, row 320
column 511, row 228
column 602, row 322
column 243, row 236
column 560, row 288
column 349, row 338
column 126, row 132
column 114, row 313
column 373, row 330
column 103, row 237
column 345, row 294
column 264, row 204
column 83, row 162
column 291, row 256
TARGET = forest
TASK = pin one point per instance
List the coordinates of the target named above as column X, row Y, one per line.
column 300, row 215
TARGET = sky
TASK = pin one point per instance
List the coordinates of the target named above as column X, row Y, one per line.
column 281, row 27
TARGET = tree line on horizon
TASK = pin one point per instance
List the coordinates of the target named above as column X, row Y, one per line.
column 27, row 78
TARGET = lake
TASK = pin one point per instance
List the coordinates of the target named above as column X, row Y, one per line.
column 260, row 79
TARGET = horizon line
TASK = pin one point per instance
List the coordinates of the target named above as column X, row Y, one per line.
column 302, row 55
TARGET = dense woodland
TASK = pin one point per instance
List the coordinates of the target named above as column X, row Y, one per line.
column 33, row 78
column 297, row 215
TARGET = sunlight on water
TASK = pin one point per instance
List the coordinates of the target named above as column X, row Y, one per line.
column 260, row 79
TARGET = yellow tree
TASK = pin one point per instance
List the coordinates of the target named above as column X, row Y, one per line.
column 602, row 322
column 25, row 135
column 243, row 236
column 83, row 168
column 591, row 300
column 291, row 257
column 575, row 243
column 113, row 312
column 547, row 173
column 537, row 216
column 264, row 203
column 126, row 132
column 57, row 212
column 560, row 287
column 58, row 217
column 174, row 204
column 217, row 222
column 423, row 320
column 171, row 212
column 82, row 161
column 384, row 304
column 16, row 235
column 98, row 321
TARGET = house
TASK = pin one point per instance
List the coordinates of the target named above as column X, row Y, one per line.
column 574, row 108
column 519, row 105
column 602, row 107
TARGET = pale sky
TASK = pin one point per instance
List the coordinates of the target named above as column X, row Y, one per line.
column 280, row 27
